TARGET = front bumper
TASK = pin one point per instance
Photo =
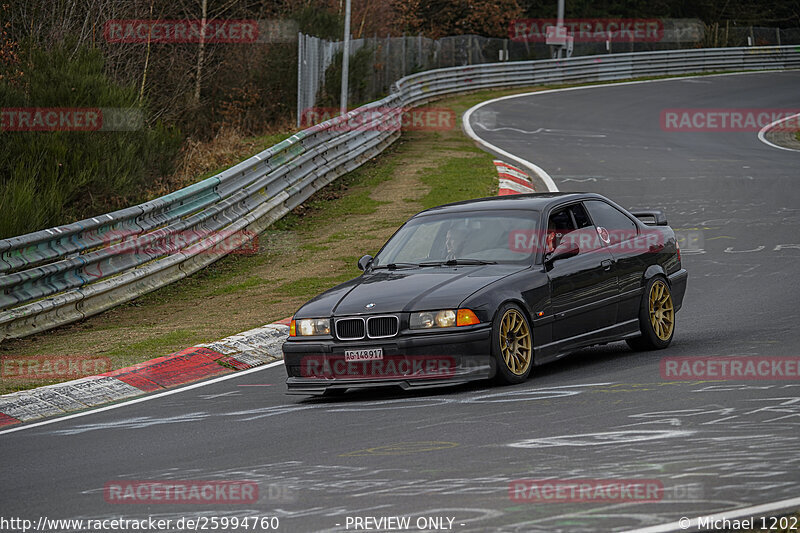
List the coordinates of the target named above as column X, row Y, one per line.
column 409, row 361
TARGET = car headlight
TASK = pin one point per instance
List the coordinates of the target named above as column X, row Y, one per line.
column 309, row 327
column 445, row 318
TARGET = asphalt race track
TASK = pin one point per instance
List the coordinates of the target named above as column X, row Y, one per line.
column 602, row 413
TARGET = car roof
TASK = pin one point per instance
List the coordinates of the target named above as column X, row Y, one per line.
column 533, row 202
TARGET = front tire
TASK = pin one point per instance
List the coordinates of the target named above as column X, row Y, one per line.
column 512, row 345
column 656, row 317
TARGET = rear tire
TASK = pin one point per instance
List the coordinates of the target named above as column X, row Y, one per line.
column 512, row 345
column 656, row 317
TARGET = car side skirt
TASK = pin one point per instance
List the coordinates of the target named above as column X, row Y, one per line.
column 556, row 350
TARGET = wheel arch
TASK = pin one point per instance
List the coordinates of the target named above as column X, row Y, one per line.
column 519, row 302
column 653, row 271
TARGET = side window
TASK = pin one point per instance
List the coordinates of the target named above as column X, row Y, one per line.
column 561, row 221
column 612, row 220
column 572, row 224
column 559, row 224
column 581, row 218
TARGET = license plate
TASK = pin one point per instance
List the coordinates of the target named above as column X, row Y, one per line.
column 367, row 354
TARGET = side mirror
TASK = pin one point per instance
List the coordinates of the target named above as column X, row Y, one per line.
column 564, row 250
column 364, row 262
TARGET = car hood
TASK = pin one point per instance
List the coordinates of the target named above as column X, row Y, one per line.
column 414, row 289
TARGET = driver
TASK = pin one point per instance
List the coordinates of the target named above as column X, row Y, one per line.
column 454, row 243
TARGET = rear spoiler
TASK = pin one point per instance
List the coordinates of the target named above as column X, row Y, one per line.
column 651, row 217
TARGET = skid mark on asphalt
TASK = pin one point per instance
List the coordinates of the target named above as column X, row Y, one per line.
column 220, row 395
column 130, row 423
column 402, row 448
column 600, row 439
column 544, row 131
column 538, row 394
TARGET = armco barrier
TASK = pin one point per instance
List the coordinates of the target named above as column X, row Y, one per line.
column 63, row 274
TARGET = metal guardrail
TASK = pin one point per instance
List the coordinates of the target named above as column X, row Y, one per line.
column 67, row 273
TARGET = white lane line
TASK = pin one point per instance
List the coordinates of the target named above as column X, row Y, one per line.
column 143, row 398
column 762, row 135
column 686, row 523
column 548, row 181
column 535, row 169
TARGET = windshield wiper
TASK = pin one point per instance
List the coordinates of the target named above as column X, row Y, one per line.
column 395, row 266
column 456, row 262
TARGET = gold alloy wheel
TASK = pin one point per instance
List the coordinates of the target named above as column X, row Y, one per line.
column 515, row 342
column 662, row 315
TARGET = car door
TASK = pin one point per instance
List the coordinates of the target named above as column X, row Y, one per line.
column 583, row 288
column 620, row 235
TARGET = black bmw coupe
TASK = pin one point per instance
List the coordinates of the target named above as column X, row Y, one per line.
column 490, row 288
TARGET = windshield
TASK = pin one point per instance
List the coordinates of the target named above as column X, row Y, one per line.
column 473, row 237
